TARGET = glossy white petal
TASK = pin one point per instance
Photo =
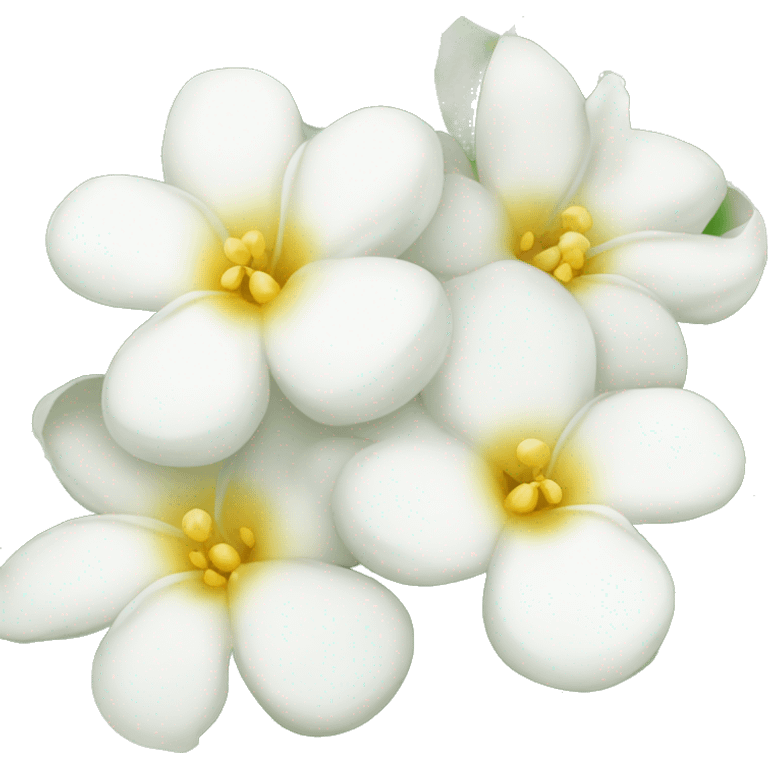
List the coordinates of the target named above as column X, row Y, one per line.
column 135, row 243
column 468, row 231
column 367, row 185
column 189, row 386
column 580, row 602
column 160, row 673
column 412, row 420
column 639, row 344
column 454, row 159
column 322, row 648
column 279, row 485
column 228, row 140
column 350, row 340
column 532, row 131
column 102, row 476
column 639, row 180
column 75, row 578
column 521, row 363
column 419, row 511
column 655, row 455
column 700, row 278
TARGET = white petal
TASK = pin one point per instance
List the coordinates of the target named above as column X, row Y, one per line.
column 419, row 511
column 655, row 455
column 409, row 421
column 700, row 278
column 103, row 477
column 350, row 340
column 75, row 578
column 135, row 243
column 189, row 386
column 469, row 230
column 532, row 131
column 228, row 140
column 639, row 180
column 639, row 344
column 160, row 672
column 581, row 602
column 322, row 648
column 365, row 186
column 279, row 485
column 521, row 363
column 454, row 159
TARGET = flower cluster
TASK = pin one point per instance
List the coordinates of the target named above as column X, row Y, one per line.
column 437, row 355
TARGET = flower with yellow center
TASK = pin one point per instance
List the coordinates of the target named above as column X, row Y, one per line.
column 265, row 250
column 641, row 228
column 571, row 585
column 187, row 566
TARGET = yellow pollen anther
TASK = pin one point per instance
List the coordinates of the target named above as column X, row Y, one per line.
column 574, row 257
column 247, row 537
column 263, row 287
column 522, row 499
column 236, row 252
column 576, row 219
column 197, row 524
column 213, row 579
column 551, row 491
column 548, row 259
column 526, row 242
column 198, row 559
column 232, row 278
column 224, row 557
column 564, row 273
column 575, row 240
column 254, row 241
column 533, row 453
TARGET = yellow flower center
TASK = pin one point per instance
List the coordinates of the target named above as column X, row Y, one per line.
column 220, row 560
column 248, row 255
column 540, row 492
column 561, row 251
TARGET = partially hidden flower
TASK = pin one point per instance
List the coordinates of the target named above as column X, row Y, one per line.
column 642, row 228
column 260, row 574
column 246, row 251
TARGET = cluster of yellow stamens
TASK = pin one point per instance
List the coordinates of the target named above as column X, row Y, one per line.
column 524, row 498
column 561, row 253
column 248, row 254
column 222, row 559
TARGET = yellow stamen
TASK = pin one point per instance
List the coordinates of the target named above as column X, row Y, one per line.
column 254, row 241
column 548, row 259
column 236, row 252
column 576, row 219
column 213, row 579
column 198, row 559
column 575, row 240
column 197, row 524
column 232, row 278
column 533, row 452
column 526, row 242
column 574, row 257
column 224, row 557
column 522, row 499
column 247, row 537
column 564, row 273
column 551, row 491
column 263, row 287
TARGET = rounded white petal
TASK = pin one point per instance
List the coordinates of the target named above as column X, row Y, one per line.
column 700, row 278
column 279, row 485
column 639, row 180
column 75, row 578
column 419, row 511
column 367, row 185
column 468, row 231
column 322, row 648
column 228, row 140
column 130, row 242
column 350, row 340
column 160, row 673
column 655, row 455
column 639, row 344
column 579, row 602
column 532, row 131
column 102, row 476
column 189, row 386
column 454, row 159
column 521, row 363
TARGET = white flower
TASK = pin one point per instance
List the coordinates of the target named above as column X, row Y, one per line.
column 574, row 597
column 321, row 647
column 346, row 339
column 642, row 228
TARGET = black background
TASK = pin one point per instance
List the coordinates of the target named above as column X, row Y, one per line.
column 100, row 106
